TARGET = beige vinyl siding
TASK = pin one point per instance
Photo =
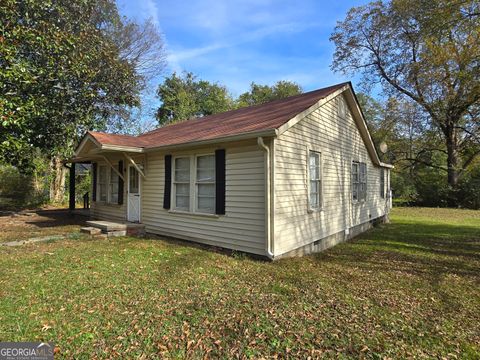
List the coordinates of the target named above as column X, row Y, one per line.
column 241, row 228
column 109, row 211
column 339, row 142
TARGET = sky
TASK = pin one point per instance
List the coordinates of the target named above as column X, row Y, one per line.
column 235, row 42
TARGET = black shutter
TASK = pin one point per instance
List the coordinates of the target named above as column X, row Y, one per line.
column 168, row 182
column 120, row 183
column 220, row 182
column 94, row 182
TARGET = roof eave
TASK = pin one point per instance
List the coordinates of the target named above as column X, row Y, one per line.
column 110, row 147
column 238, row 137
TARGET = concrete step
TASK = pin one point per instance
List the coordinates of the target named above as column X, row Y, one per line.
column 90, row 230
column 112, row 229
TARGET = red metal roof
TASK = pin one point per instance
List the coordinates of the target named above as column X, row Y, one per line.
column 250, row 119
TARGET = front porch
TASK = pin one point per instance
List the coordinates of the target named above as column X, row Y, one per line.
column 116, row 181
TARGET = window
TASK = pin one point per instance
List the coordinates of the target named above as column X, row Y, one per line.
column 113, row 188
column 315, row 180
column 182, row 183
column 382, row 183
column 362, row 195
column 205, row 184
column 355, row 180
column 359, row 181
column 194, row 183
column 102, row 183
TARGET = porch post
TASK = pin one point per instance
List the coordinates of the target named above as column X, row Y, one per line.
column 71, row 203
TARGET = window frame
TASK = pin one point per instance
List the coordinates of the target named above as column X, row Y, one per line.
column 108, row 179
column 319, row 181
column 361, row 184
column 193, row 186
column 100, row 183
column 110, row 191
column 175, row 182
column 382, row 183
column 355, row 182
column 196, row 183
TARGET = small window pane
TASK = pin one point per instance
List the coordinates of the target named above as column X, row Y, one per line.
column 206, row 190
column 182, row 164
column 182, row 202
column 183, row 189
column 133, row 181
column 205, row 175
column 315, row 174
column 206, row 168
column 206, row 161
column 182, row 175
column 206, row 204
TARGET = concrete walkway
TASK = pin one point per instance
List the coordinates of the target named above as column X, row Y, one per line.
column 34, row 240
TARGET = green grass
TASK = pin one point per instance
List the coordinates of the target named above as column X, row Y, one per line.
column 409, row 289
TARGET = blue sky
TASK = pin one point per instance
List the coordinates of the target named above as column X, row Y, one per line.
column 235, row 42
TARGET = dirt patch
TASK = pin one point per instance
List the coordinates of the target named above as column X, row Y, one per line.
column 26, row 224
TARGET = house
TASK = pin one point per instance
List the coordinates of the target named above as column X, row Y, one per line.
column 288, row 177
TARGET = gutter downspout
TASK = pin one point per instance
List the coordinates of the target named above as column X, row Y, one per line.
column 267, row 197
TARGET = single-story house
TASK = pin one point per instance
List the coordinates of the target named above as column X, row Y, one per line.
column 288, row 177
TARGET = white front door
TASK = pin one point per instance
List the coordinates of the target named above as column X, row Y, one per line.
column 133, row 196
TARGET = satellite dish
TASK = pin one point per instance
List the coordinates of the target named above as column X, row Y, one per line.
column 383, row 147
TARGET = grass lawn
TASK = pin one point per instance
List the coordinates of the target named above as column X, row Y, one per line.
column 30, row 224
column 407, row 289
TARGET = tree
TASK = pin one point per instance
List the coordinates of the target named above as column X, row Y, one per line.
column 184, row 97
column 260, row 94
column 424, row 51
column 63, row 70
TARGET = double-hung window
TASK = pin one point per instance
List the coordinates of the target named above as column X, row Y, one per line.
column 359, row 181
column 205, row 184
column 113, row 188
column 194, row 183
column 181, row 183
column 315, row 180
column 382, row 183
column 102, row 183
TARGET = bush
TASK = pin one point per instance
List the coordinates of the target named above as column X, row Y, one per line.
column 18, row 190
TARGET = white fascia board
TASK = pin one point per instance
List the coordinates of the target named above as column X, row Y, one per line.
column 122, row 148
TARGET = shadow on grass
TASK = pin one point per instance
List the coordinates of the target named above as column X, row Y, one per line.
column 55, row 217
column 431, row 250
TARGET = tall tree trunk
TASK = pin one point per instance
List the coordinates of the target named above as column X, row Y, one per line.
column 57, row 185
column 452, row 155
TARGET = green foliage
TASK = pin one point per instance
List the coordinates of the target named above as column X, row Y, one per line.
column 408, row 289
column 469, row 188
column 83, row 185
column 184, row 97
column 419, row 156
column 19, row 190
column 61, row 72
column 260, row 94
column 426, row 52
